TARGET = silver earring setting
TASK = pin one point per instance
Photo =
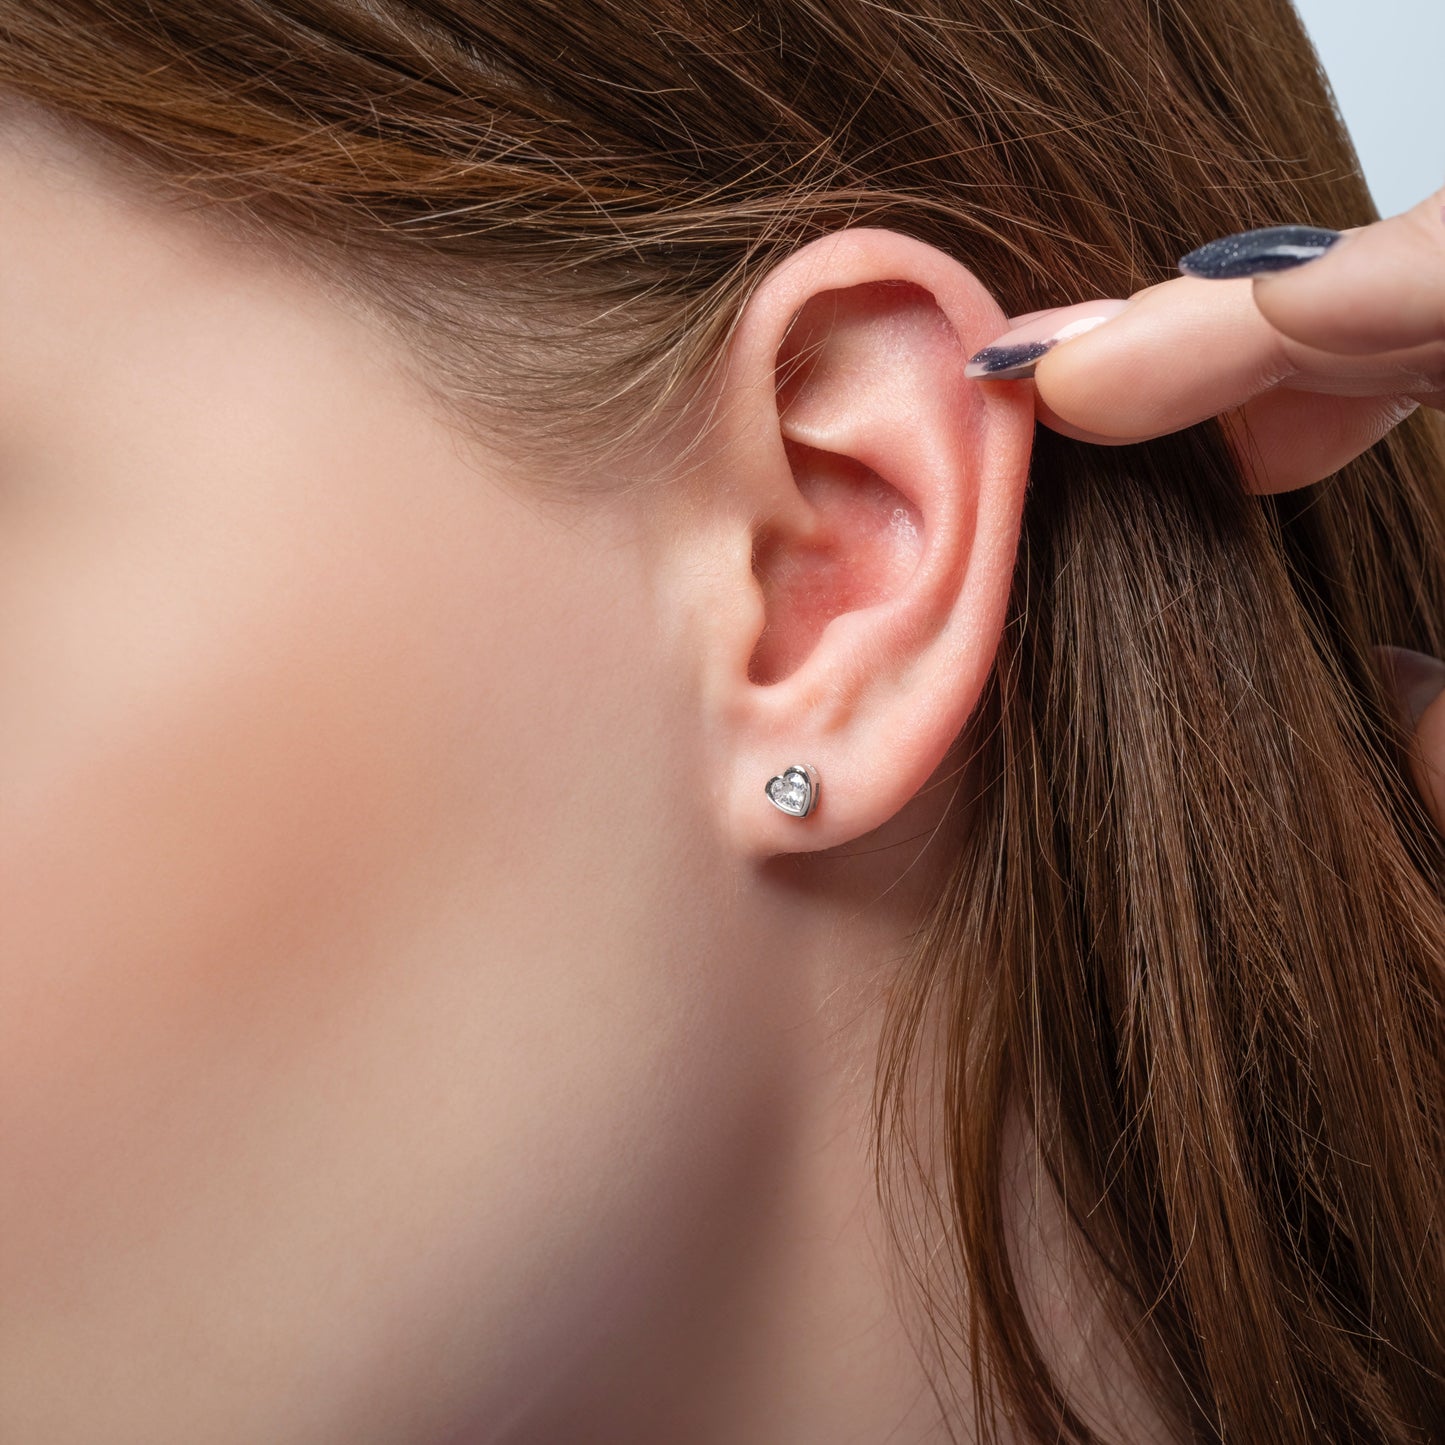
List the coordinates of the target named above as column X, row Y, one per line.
column 794, row 790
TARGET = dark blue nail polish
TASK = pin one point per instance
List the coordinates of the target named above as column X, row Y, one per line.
column 1007, row 363
column 1253, row 253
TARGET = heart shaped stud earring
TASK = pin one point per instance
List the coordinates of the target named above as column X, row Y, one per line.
column 794, row 790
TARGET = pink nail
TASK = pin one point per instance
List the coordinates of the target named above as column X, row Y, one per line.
column 1015, row 354
column 1025, row 316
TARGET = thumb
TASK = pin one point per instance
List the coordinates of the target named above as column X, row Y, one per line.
column 1419, row 683
column 1378, row 288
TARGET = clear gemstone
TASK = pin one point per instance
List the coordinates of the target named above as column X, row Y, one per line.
column 790, row 792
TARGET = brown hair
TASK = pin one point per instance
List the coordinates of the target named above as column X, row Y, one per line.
column 1196, row 929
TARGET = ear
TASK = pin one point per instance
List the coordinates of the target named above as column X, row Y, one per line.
column 875, row 502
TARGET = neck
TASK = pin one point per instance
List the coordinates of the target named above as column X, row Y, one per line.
column 781, row 1315
column 786, row 1314
column 782, row 1321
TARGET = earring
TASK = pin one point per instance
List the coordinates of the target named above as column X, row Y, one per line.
column 794, row 790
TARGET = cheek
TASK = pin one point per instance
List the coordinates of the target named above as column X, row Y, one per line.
column 229, row 746
column 343, row 978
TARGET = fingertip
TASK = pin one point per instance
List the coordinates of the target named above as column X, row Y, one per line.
column 1379, row 288
column 1017, row 352
column 1419, row 683
column 1418, row 679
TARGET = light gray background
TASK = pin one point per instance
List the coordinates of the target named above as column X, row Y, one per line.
column 1384, row 59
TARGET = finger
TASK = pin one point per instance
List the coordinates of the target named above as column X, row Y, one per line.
column 1174, row 354
column 1285, row 439
column 1378, row 288
column 1243, row 352
column 1417, row 680
column 1182, row 351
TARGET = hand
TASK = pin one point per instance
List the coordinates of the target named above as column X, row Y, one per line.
column 1308, row 344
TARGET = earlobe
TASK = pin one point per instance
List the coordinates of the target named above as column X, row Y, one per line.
column 884, row 493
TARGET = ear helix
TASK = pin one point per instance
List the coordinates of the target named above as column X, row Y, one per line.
column 794, row 791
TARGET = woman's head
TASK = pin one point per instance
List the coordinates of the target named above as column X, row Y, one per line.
column 379, row 835
column 457, row 454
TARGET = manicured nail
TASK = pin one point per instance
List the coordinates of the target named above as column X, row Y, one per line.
column 1014, row 355
column 1253, row 253
column 1419, row 678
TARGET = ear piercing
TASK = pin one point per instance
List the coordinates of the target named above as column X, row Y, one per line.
column 794, row 790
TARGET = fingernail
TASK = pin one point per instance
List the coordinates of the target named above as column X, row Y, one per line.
column 1254, row 253
column 1023, row 316
column 1016, row 353
column 1419, row 678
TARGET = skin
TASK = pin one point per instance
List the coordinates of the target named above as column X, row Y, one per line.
column 415, row 1022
